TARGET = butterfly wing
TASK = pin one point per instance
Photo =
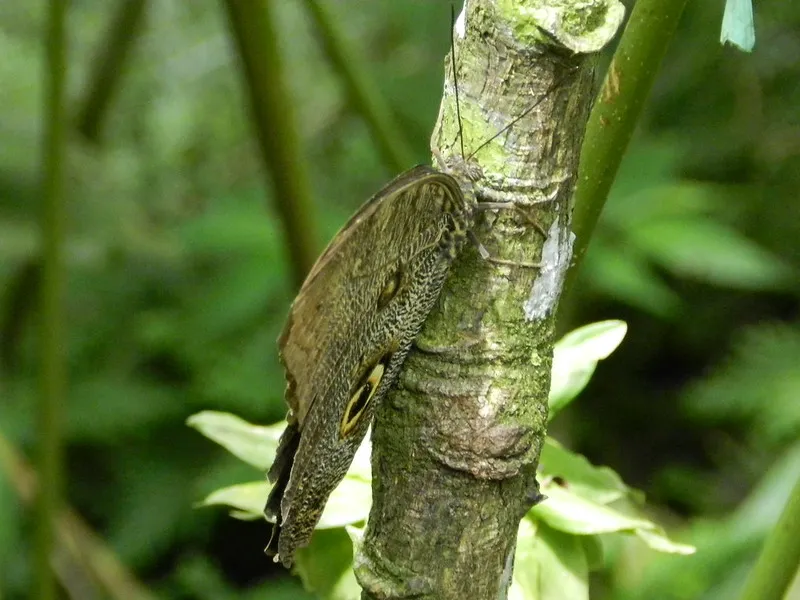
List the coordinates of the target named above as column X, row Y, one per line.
column 349, row 331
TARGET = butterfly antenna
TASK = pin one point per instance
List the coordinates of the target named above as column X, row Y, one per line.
column 455, row 75
column 525, row 113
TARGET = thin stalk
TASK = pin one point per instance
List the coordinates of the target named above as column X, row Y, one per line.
column 391, row 142
column 51, row 334
column 616, row 111
column 109, row 67
column 777, row 565
column 253, row 30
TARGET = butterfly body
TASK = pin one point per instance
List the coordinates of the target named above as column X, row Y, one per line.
column 348, row 333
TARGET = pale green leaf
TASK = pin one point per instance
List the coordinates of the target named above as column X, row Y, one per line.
column 326, row 565
column 598, row 484
column 566, row 511
column 656, row 538
column 254, row 444
column 349, row 503
column 247, row 499
column 738, row 26
column 361, row 467
column 346, row 588
column 549, row 565
column 575, row 357
column 257, row 444
column 593, row 549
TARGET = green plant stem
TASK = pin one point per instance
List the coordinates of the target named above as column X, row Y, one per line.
column 616, row 111
column 109, row 67
column 81, row 554
column 778, row 563
column 253, row 30
column 51, row 331
column 391, row 142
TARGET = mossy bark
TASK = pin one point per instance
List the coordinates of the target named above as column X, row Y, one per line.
column 456, row 445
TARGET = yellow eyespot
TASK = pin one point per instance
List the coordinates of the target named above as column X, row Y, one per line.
column 390, row 289
column 361, row 399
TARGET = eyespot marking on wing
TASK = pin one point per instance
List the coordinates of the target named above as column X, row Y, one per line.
column 361, row 397
column 390, row 289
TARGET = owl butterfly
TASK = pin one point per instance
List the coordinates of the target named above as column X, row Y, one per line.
column 350, row 328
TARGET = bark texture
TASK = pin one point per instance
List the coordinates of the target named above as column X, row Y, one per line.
column 456, row 445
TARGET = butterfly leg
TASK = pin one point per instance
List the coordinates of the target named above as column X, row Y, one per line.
column 485, row 255
column 532, row 221
column 515, row 263
column 477, row 243
column 514, row 206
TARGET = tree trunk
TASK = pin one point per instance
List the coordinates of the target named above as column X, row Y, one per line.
column 456, row 445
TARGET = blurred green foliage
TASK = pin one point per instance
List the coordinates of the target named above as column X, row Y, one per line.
column 178, row 283
column 557, row 539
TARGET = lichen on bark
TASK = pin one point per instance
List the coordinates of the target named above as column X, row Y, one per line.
column 456, row 445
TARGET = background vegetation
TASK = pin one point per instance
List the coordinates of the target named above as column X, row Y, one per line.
column 178, row 283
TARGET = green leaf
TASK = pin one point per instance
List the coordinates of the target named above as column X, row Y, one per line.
column 598, row 484
column 575, row 357
column 630, row 278
column 246, row 498
column 711, row 252
column 566, row 511
column 593, row 549
column 254, row 444
column 759, row 383
column 349, row 503
column 656, row 538
column 549, row 565
column 669, row 199
column 325, row 566
column 257, row 444
column 738, row 26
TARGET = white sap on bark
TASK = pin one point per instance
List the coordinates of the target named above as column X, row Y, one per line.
column 556, row 256
column 461, row 22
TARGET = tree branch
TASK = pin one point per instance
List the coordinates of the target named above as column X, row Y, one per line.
column 108, row 68
column 456, row 446
column 614, row 116
column 254, row 33
column 777, row 564
column 386, row 133
column 52, row 369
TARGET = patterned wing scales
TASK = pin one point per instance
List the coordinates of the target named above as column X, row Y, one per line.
column 362, row 304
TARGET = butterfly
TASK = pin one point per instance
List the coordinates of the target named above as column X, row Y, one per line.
column 349, row 331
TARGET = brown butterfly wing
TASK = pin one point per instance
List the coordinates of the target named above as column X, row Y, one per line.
column 340, row 327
